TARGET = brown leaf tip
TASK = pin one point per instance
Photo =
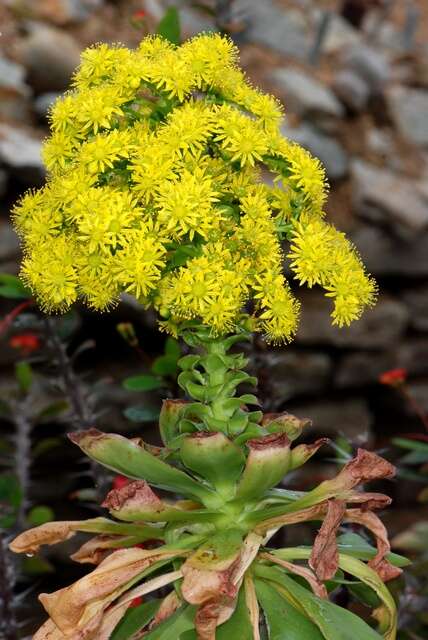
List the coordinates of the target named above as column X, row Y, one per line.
column 272, row 441
column 77, row 436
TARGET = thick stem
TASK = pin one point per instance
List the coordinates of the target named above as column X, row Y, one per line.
column 8, row 623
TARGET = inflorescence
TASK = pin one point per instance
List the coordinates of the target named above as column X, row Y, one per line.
column 157, row 187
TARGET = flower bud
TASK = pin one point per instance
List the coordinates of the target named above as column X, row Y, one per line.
column 285, row 423
column 170, row 416
column 267, row 463
column 214, row 457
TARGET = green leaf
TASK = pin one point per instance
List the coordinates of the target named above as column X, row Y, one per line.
column 413, row 445
column 45, row 445
column 36, row 566
column 141, row 414
column 364, row 594
column 172, row 628
column 143, row 383
column 188, row 362
column 24, row 375
column 169, row 26
column 135, row 619
column 10, row 499
column 53, row 410
column 12, row 287
column 165, row 366
column 126, row 457
column 172, row 348
column 284, row 621
column 334, row 622
column 239, row 625
column 39, row 515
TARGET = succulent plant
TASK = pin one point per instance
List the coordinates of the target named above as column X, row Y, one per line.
column 156, row 188
column 210, row 545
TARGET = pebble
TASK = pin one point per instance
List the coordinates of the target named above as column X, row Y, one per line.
column 408, row 109
column 50, row 56
column 306, row 96
column 388, row 198
column 351, row 89
column 331, row 152
column 379, row 327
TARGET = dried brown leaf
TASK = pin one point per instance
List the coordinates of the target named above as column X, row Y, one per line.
column 325, row 556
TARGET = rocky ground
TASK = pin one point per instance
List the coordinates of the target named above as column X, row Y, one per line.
column 356, row 97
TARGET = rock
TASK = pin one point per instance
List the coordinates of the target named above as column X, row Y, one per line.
column 284, row 30
column 417, row 302
column 14, row 93
column 3, row 182
column 388, row 198
column 413, row 356
column 378, row 327
column 43, row 102
column 20, row 152
column 361, row 369
column 340, row 34
column 408, row 109
column 9, row 243
column 386, row 255
column 306, row 96
column 290, row 373
column 381, row 142
column 351, row 89
column 327, row 149
column 59, row 12
column 50, row 56
column 349, row 418
column 370, row 64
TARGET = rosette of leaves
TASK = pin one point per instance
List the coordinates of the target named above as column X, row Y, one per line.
column 201, row 559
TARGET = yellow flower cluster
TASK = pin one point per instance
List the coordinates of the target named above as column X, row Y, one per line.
column 156, row 188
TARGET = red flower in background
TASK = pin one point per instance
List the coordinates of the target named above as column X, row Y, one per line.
column 25, row 342
column 139, row 15
column 393, row 377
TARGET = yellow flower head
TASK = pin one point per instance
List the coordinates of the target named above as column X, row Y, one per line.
column 157, row 163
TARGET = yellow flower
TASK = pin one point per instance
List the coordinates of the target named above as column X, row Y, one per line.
column 158, row 186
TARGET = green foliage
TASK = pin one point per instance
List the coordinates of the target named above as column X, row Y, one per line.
column 12, row 287
column 169, row 26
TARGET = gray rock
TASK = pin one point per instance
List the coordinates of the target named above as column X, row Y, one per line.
column 380, row 141
column 331, row 153
column 306, row 96
column 290, row 373
column 284, row 30
column 14, row 93
column 417, row 302
column 361, row 369
column 386, row 197
column 378, row 328
column 350, row 418
column 370, row 64
column 351, row 89
column 386, row 255
column 43, row 102
column 340, row 34
column 9, row 243
column 413, row 356
column 20, row 152
column 3, row 182
column 50, row 56
column 408, row 109
column 60, row 12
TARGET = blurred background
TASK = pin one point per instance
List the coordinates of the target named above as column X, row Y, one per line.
column 353, row 76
